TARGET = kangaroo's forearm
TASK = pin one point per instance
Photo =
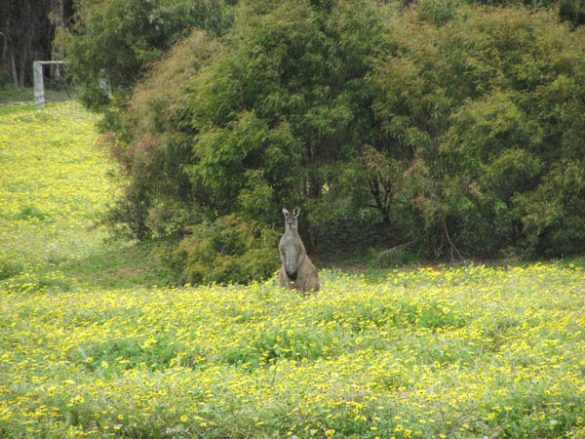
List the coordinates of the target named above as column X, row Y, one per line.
column 301, row 258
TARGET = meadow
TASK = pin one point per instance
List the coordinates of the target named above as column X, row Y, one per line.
column 90, row 346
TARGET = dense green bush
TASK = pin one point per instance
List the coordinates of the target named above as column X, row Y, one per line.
column 446, row 128
column 227, row 250
column 481, row 113
column 153, row 143
column 273, row 114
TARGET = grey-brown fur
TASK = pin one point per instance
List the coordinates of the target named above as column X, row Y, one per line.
column 297, row 270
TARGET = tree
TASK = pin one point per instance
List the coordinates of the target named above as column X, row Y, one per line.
column 482, row 111
column 271, row 113
column 27, row 28
column 447, row 124
column 111, row 44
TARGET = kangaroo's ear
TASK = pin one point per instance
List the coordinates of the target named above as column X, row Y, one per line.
column 285, row 212
column 296, row 212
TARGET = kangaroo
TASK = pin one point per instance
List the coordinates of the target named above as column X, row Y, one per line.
column 297, row 270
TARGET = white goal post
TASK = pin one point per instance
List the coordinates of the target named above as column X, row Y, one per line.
column 38, row 81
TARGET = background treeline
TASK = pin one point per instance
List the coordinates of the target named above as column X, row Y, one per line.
column 433, row 128
column 27, row 29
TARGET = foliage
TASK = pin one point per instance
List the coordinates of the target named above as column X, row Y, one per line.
column 228, row 250
column 269, row 116
column 281, row 110
column 573, row 11
column 111, row 43
column 158, row 198
column 444, row 126
column 454, row 352
column 480, row 113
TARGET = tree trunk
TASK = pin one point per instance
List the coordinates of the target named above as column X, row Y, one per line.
column 25, row 59
column 382, row 203
column 4, row 47
column 8, row 55
column 314, row 183
column 59, row 11
column 25, row 47
column 13, row 70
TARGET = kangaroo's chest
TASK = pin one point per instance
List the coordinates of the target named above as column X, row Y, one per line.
column 290, row 247
column 286, row 244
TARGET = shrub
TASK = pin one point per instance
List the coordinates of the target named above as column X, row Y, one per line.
column 573, row 11
column 228, row 250
column 443, row 126
column 271, row 116
column 480, row 114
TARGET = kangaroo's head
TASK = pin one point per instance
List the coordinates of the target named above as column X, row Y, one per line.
column 291, row 219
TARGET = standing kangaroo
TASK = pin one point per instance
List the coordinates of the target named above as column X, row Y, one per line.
column 297, row 270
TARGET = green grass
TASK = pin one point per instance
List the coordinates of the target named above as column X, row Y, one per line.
column 11, row 94
column 14, row 108
column 90, row 347
column 122, row 266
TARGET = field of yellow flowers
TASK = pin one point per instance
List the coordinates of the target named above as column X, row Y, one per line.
column 53, row 185
column 470, row 351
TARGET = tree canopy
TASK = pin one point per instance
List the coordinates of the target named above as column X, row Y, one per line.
column 111, row 44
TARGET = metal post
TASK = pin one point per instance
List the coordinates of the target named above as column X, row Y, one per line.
column 39, row 81
column 39, row 86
